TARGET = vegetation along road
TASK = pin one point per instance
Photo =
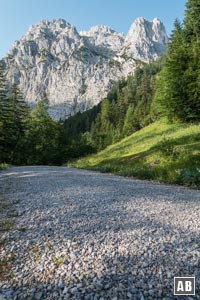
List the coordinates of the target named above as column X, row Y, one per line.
column 76, row 234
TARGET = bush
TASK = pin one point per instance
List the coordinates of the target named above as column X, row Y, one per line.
column 188, row 177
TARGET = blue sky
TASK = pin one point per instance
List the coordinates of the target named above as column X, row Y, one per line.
column 17, row 15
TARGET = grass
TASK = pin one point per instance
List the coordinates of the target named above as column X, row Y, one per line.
column 6, row 265
column 59, row 260
column 4, row 166
column 161, row 151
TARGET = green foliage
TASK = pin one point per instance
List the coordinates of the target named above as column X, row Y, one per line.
column 129, row 122
column 14, row 114
column 27, row 138
column 178, row 88
column 34, row 138
column 171, row 92
column 59, row 260
column 43, row 137
column 125, row 109
column 4, row 111
column 76, row 133
column 191, row 21
column 161, row 151
column 19, row 119
column 4, row 166
column 189, row 177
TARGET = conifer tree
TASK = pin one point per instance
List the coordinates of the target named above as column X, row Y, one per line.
column 19, row 118
column 171, row 93
column 178, row 89
column 192, row 20
column 4, row 117
column 129, row 121
column 192, row 75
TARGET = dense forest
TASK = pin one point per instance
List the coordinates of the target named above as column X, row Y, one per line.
column 127, row 108
column 169, row 86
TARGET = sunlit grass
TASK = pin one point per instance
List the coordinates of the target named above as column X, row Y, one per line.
column 4, row 166
column 161, row 151
column 59, row 260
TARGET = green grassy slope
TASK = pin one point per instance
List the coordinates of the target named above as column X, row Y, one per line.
column 160, row 151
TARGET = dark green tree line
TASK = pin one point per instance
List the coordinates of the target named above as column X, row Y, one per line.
column 4, row 109
column 178, row 88
column 14, row 114
column 28, row 137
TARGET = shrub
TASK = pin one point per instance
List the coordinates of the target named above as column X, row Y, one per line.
column 189, row 177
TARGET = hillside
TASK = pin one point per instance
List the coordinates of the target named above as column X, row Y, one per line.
column 160, row 151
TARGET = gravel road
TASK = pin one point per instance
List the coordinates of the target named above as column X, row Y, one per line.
column 84, row 235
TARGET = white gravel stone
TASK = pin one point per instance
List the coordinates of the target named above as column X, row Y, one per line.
column 69, row 247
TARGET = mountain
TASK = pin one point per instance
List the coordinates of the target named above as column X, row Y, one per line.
column 74, row 71
column 146, row 40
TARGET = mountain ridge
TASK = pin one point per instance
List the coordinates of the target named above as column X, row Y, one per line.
column 75, row 70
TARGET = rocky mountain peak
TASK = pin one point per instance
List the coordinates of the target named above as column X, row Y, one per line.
column 53, row 25
column 50, row 29
column 146, row 39
column 105, row 38
column 98, row 29
column 74, row 71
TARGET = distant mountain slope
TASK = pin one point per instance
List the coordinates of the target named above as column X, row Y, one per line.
column 74, row 71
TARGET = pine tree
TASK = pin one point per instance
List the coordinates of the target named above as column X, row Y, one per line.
column 178, row 93
column 192, row 75
column 19, row 124
column 171, row 93
column 129, row 121
column 192, row 20
column 4, row 118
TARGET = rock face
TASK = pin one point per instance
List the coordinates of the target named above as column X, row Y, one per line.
column 146, row 40
column 74, row 71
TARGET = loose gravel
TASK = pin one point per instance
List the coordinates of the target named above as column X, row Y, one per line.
column 84, row 235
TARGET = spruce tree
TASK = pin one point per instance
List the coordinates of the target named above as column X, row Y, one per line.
column 192, row 20
column 129, row 121
column 171, row 93
column 19, row 125
column 4, row 118
column 178, row 92
column 192, row 75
